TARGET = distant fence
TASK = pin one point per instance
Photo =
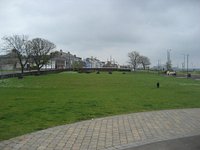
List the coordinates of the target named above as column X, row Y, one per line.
column 43, row 72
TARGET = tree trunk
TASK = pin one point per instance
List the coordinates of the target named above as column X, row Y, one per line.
column 22, row 72
column 22, row 65
column 22, row 69
column 38, row 70
column 144, row 66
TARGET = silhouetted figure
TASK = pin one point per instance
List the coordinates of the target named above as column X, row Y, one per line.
column 158, row 84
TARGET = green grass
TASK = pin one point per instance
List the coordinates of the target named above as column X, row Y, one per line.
column 39, row 102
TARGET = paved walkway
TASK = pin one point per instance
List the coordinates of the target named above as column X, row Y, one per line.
column 110, row 133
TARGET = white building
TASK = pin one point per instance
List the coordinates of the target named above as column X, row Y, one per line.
column 93, row 63
column 62, row 60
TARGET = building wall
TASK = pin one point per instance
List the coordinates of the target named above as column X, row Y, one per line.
column 62, row 60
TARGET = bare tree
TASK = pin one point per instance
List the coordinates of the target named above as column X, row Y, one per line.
column 40, row 49
column 144, row 61
column 134, row 59
column 18, row 44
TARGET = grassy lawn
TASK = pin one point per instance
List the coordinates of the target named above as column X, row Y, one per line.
column 39, row 102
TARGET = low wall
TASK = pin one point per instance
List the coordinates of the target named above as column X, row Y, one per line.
column 43, row 72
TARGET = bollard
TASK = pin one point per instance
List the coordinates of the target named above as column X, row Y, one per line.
column 158, row 84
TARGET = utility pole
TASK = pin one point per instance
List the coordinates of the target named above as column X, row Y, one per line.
column 169, row 63
column 0, row 69
column 158, row 65
column 183, row 64
column 69, row 61
column 187, row 63
column 0, row 65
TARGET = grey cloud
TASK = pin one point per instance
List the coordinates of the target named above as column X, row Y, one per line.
column 109, row 27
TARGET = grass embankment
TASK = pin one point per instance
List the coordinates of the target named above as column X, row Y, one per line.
column 35, row 103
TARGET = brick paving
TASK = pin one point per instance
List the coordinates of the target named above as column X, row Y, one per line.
column 111, row 133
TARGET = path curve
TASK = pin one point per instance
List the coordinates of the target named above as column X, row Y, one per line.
column 110, row 133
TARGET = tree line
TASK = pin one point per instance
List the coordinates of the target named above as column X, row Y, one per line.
column 26, row 50
column 37, row 51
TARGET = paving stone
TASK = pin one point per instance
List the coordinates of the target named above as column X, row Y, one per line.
column 115, row 132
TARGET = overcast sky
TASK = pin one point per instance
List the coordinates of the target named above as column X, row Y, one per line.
column 104, row 28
